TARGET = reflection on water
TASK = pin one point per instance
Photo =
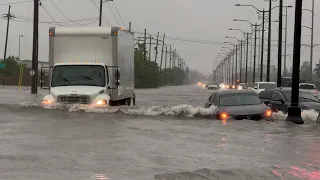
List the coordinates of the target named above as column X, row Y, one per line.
column 100, row 177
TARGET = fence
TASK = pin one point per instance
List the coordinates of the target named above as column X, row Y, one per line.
column 22, row 79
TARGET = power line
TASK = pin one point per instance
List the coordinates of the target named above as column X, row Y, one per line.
column 49, row 14
column 60, row 22
column 20, row 2
column 113, row 13
column 25, row 19
column 98, row 11
column 43, row 22
column 63, row 13
column 119, row 14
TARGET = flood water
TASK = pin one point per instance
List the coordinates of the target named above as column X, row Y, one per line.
column 168, row 136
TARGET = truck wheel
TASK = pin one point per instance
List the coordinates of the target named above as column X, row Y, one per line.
column 128, row 102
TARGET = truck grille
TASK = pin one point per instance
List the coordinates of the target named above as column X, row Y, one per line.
column 250, row 117
column 82, row 99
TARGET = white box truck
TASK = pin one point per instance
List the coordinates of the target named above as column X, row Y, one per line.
column 90, row 65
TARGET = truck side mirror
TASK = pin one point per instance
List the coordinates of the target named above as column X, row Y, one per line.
column 117, row 74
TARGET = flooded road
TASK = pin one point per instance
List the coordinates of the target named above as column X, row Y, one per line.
column 167, row 137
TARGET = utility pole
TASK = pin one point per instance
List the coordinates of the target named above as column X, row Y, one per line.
column 262, row 45
column 145, row 44
column 165, row 67
column 150, row 47
column 312, row 46
column 156, row 56
column 269, row 41
column 8, row 16
column 34, row 71
column 164, row 36
column 280, row 43
column 130, row 26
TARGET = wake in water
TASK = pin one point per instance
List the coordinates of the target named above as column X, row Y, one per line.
column 179, row 110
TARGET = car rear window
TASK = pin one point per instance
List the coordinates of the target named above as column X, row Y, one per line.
column 239, row 99
column 307, row 86
column 267, row 85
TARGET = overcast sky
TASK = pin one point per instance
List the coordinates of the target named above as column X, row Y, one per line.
column 184, row 19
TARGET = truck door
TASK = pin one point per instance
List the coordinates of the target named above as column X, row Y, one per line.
column 45, row 77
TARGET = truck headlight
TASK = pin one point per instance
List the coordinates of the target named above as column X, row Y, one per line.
column 101, row 103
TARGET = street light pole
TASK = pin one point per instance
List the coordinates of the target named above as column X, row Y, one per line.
column 247, row 56
column 255, row 53
column 236, row 70
column 312, row 46
column 241, row 47
column 262, row 45
column 285, row 45
column 280, row 43
column 294, row 111
column 20, row 36
column 269, row 41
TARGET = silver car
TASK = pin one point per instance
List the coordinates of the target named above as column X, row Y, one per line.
column 238, row 105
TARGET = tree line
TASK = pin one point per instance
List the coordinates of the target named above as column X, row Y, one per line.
column 147, row 73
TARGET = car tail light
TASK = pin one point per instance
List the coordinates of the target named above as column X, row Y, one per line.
column 224, row 116
column 268, row 113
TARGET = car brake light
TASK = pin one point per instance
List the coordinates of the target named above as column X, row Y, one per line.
column 268, row 113
column 47, row 102
column 224, row 116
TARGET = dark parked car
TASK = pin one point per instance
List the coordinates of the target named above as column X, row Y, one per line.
column 279, row 99
column 238, row 105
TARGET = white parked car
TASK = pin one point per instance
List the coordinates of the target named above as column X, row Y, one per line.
column 311, row 88
column 261, row 86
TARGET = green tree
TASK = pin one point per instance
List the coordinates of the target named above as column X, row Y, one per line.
column 317, row 69
column 305, row 71
column 12, row 66
column 147, row 73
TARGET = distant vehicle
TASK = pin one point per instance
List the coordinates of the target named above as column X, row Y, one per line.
column 261, row 86
column 85, row 65
column 311, row 88
column 242, row 86
column 279, row 99
column 286, row 81
column 213, row 86
column 238, row 105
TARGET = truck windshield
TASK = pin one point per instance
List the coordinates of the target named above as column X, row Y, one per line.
column 78, row 75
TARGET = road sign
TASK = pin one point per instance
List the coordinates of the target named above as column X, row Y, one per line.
column 32, row 73
column 3, row 65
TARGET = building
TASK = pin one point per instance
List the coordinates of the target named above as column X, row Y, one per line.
column 28, row 63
